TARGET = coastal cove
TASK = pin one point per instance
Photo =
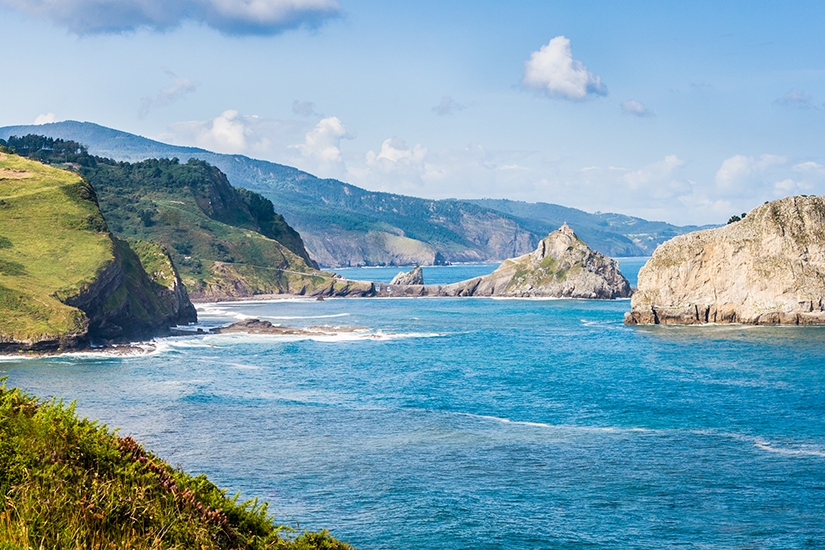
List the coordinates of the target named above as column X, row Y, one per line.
column 452, row 423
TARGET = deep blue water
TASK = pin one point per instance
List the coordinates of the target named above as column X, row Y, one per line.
column 481, row 423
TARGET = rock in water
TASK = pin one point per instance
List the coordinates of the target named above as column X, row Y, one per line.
column 414, row 277
column 562, row 266
column 768, row 268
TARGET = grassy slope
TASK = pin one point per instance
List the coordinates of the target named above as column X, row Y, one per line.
column 49, row 241
column 71, row 483
column 200, row 219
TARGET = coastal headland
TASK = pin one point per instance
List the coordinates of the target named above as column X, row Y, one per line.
column 766, row 269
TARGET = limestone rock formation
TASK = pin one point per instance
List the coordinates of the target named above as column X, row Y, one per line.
column 414, row 277
column 768, row 268
column 561, row 267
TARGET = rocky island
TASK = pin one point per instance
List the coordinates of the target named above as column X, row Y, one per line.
column 768, row 268
column 562, row 266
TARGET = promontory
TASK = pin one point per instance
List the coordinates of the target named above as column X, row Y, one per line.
column 562, row 266
column 65, row 280
column 768, row 268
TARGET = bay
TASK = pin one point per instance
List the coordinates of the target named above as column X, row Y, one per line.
column 482, row 423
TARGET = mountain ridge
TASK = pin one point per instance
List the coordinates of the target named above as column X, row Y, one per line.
column 344, row 225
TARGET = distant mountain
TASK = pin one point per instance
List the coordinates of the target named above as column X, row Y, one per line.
column 618, row 230
column 344, row 225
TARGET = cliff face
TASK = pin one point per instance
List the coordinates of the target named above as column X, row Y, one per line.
column 768, row 268
column 64, row 280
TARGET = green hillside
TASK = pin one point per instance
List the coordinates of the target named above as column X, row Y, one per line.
column 342, row 224
column 72, row 483
column 193, row 211
column 63, row 278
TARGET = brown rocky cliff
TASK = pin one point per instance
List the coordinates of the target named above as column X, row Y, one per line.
column 768, row 268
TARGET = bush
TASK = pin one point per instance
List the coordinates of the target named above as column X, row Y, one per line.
column 71, row 483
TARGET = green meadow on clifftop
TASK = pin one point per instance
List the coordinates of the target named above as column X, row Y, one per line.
column 52, row 239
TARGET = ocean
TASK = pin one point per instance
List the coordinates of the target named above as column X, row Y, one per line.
column 452, row 423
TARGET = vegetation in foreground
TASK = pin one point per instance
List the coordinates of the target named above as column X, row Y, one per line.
column 72, row 483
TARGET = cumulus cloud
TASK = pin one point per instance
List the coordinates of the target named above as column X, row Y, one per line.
column 234, row 133
column 745, row 176
column 633, row 107
column 797, row 99
column 45, row 119
column 304, row 108
column 448, row 106
column 395, row 151
column 810, row 167
column 233, row 17
column 322, row 146
column 553, row 70
column 659, row 180
column 311, row 147
column 166, row 96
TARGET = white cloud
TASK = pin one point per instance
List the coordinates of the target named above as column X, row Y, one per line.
column 234, row 17
column 785, row 186
column 810, row 167
column 166, row 96
column 633, row 107
column 448, row 106
column 659, row 180
column 797, row 99
column 231, row 132
column 322, row 146
column 553, row 71
column 395, row 150
column 741, row 175
column 304, row 108
column 44, row 119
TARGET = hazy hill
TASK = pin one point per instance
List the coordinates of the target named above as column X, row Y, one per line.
column 618, row 229
column 342, row 224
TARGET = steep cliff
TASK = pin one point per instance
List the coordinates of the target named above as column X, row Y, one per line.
column 768, row 268
column 64, row 280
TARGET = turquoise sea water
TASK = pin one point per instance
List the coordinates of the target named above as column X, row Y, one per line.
column 482, row 423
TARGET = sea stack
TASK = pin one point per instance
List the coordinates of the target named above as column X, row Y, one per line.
column 562, row 266
column 768, row 268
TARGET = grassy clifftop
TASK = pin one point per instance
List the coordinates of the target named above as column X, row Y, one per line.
column 63, row 278
column 193, row 211
column 71, row 483
column 52, row 240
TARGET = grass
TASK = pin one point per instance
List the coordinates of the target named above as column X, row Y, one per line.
column 72, row 483
column 52, row 239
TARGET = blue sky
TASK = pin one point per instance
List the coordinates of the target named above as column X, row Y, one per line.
column 684, row 112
